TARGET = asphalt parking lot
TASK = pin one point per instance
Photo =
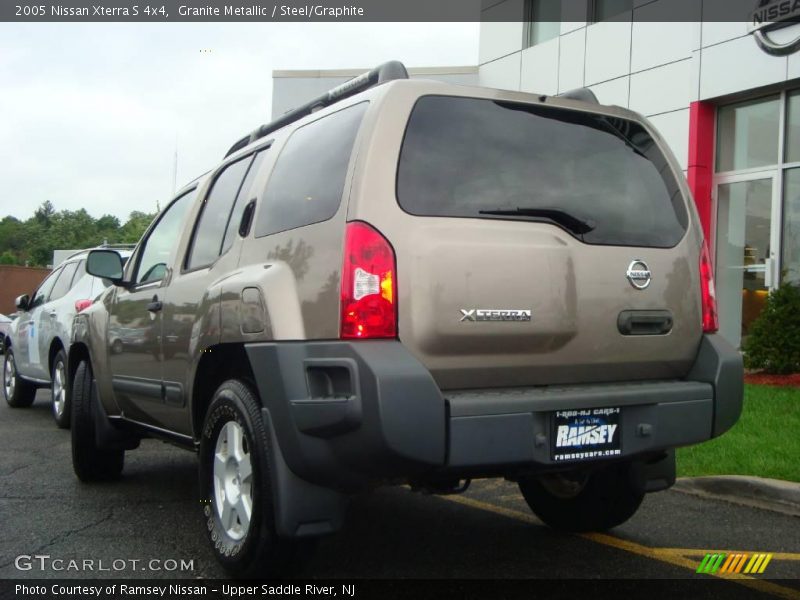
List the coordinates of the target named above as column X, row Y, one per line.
column 486, row 533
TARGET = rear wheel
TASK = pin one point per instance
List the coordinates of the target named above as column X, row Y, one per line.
column 594, row 501
column 237, row 490
column 18, row 392
column 60, row 390
column 90, row 462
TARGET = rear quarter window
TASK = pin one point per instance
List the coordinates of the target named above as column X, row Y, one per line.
column 461, row 156
column 307, row 181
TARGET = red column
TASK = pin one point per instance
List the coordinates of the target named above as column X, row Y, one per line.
column 701, row 161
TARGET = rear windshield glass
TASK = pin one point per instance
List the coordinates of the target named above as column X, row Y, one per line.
column 464, row 157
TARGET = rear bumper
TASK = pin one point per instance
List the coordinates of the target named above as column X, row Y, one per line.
column 349, row 415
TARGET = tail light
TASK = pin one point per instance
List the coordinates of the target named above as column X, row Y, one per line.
column 82, row 305
column 708, row 292
column 369, row 297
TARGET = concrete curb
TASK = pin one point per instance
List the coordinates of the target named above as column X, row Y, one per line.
column 768, row 494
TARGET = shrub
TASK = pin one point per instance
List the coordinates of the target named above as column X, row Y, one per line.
column 774, row 340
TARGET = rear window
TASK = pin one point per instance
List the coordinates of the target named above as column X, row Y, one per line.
column 307, row 181
column 464, row 156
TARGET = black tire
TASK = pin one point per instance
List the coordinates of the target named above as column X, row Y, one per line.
column 90, row 462
column 603, row 499
column 254, row 550
column 59, row 390
column 18, row 392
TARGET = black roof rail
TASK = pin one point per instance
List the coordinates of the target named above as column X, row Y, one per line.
column 388, row 71
column 583, row 94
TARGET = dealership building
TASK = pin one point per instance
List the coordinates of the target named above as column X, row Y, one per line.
column 725, row 98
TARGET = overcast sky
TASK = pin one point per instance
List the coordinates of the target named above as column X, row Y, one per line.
column 91, row 113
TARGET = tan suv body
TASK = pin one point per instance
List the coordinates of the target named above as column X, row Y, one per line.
column 419, row 283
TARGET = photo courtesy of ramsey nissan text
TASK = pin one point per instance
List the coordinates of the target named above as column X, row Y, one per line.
column 432, row 299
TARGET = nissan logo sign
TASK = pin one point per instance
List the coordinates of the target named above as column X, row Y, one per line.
column 770, row 16
column 639, row 274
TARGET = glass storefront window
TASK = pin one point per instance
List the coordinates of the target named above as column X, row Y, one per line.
column 544, row 21
column 747, row 134
column 793, row 127
column 743, row 250
column 791, row 226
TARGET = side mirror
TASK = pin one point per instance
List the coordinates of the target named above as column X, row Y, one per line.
column 106, row 264
column 22, row 302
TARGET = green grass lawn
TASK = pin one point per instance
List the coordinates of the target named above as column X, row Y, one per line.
column 765, row 442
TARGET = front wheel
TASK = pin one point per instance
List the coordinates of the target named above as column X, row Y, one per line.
column 60, row 390
column 18, row 392
column 595, row 501
column 236, row 486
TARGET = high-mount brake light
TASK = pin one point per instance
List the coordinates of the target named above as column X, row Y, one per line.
column 368, row 294
column 708, row 292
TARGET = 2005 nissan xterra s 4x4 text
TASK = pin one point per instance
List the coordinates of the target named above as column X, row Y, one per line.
column 413, row 282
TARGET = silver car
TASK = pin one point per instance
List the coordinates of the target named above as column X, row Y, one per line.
column 35, row 345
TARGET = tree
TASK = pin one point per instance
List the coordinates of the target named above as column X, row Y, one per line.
column 44, row 213
column 774, row 340
column 33, row 241
column 135, row 226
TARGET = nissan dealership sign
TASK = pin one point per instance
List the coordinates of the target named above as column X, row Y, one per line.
column 769, row 17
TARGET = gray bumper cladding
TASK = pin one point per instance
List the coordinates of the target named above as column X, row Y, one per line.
column 347, row 415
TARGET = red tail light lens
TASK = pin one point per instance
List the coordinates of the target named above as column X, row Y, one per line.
column 368, row 285
column 708, row 292
column 82, row 305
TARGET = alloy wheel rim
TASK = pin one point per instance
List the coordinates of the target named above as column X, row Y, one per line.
column 233, row 481
column 59, row 389
column 9, row 376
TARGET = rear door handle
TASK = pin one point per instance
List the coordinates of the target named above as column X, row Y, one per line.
column 155, row 305
column 645, row 322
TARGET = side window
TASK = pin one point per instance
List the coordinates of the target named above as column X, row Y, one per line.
column 213, row 219
column 40, row 297
column 79, row 273
column 241, row 201
column 156, row 250
column 64, row 281
column 307, row 182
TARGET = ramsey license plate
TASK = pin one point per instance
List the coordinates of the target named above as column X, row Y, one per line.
column 586, row 434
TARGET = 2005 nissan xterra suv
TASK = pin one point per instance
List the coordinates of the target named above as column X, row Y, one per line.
column 413, row 282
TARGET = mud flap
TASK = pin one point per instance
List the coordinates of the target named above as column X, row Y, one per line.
column 659, row 474
column 302, row 509
column 108, row 437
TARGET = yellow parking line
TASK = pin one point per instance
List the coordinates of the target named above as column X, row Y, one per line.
column 665, row 555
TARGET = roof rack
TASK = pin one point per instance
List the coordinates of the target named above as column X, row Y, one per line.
column 583, row 94
column 381, row 74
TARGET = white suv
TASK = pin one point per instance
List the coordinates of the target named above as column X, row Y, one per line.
column 36, row 344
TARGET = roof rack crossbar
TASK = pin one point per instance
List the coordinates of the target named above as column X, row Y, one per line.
column 381, row 74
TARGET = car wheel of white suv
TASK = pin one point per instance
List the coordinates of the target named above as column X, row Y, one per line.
column 60, row 390
column 18, row 392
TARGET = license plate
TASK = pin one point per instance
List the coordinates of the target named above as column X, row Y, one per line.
column 586, row 434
